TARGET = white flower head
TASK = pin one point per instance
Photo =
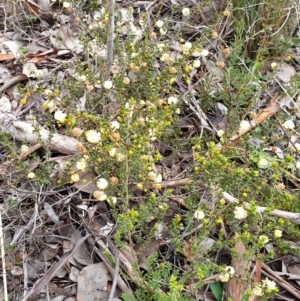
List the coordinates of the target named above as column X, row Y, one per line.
column 289, row 124
column 172, row 100
column 81, row 164
column 93, row 136
column 166, row 58
column 274, row 65
column 60, row 116
column 82, row 78
column 204, row 53
column 100, row 195
column 257, row 290
column 263, row 163
column 155, row 177
column 196, row 63
column 240, row 212
column 31, row 175
column 107, row 84
column 120, row 157
column 186, row 11
column 163, row 31
column 102, row 183
column 263, row 239
column 24, row 148
column 66, row 4
column 277, row 233
column 112, row 199
column 220, row 133
column 115, row 125
column 269, row 285
column 245, row 125
column 113, row 152
column 199, row 214
column 188, row 45
column 75, row 177
column 159, row 23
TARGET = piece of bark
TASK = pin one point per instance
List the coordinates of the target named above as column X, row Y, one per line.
column 25, row 131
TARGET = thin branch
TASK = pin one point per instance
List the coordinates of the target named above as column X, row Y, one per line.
column 3, row 258
column 110, row 37
column 114, row 285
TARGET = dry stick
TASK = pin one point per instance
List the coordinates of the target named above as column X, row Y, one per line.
column 284, row 284
column 13, row 81
column 110, row 37
column 114, row 285
column 290, row 216
column 3, row 259
column 121, row 283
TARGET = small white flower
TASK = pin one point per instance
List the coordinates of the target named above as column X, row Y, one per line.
column 48, row 92
column 159, row 23
column 297, row 145
column 186, row 11
column 163, row 31
column 263, row 163
column 82, row 78
column 120, row 157
column 66, row 4
column 257, row 290
column 93, row 136
column 155, row 177
column 102, row 183
column 289, row 124
column 240, row 212
column 230, row 270
column 172, row 100
column 60, row 116
column 245, row 125
column 188, row 45
column 166, row 58
column 75, row 177
column 81, row 164
column 50, row 105
column 108, row 84
column 115, row 125
column 298, row 165
column 31, row 175
column 112, row 199
column 24, row 148
column 199, row 214
column 269, row 285
column 274, row 65
column 204, row 53
column 196, row 63
column 220, row 133
column 100, row 195
column 225, row 275
column 263, row 239
column 277, row 233
column 39, row 73
column 112, row 152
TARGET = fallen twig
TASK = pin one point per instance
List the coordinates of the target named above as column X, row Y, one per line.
column 290, row 216
column 113, row 288
column 3, row 258
column 24, row 131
